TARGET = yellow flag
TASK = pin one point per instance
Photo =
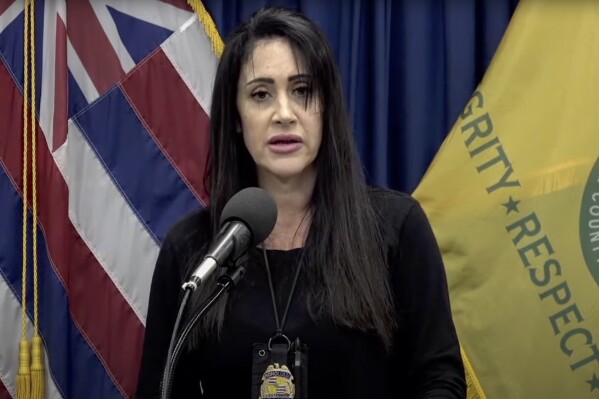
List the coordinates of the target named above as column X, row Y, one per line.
column 513, row 197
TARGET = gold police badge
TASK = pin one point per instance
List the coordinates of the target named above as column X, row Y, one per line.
column 277, row 383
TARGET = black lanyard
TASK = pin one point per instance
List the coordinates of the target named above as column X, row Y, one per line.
column 281, row 323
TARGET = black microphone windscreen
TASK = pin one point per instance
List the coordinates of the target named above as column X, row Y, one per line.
column 255, row 208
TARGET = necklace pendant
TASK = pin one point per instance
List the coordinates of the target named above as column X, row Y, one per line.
column 277, row 383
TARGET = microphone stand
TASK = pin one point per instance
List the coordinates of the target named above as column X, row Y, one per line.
column 225, row 283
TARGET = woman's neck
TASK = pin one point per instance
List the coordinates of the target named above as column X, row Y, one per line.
column 293, row 198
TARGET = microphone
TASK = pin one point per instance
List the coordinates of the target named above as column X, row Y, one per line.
column 247, row 219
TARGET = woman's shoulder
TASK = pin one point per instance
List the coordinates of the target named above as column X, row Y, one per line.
column 391, row 203
column 191, row 229
column 397, row 212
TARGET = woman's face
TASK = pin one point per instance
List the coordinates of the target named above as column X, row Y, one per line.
column 281, row 133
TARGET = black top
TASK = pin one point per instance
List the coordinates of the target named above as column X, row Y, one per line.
column 425, row 361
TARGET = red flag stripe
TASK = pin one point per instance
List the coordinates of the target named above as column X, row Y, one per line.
column 4, row 4
column 3, row 391
column 92, row 45
column 60, row 86
column 173, row 116
column 182, row 4
column 96, row 305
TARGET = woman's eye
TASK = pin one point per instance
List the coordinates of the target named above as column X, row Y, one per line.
column 260, row 95
column 302, row 91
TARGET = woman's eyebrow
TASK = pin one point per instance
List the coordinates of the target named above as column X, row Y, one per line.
column 293, row 78
column 260, row 80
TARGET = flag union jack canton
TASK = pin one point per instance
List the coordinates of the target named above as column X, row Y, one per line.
column 123, row 97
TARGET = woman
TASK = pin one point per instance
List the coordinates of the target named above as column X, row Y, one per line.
column 358, row 268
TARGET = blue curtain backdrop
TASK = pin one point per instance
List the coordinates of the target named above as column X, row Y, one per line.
column 408, row 67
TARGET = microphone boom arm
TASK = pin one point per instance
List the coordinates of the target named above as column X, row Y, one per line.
column 231, row 243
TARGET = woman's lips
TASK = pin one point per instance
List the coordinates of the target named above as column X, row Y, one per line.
column 285, row 143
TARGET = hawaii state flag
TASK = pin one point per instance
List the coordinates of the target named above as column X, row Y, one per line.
column 123, row 98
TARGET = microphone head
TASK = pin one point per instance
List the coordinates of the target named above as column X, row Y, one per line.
column 255, row 208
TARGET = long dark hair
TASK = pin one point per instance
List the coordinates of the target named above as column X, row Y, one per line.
column 345, row 263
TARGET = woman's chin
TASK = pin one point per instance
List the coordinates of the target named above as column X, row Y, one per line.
column 290, row 172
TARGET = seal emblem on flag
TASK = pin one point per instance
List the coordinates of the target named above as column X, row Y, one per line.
column 589, row 222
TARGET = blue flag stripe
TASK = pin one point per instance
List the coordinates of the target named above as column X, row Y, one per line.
column 11, row 48
column 76, row 369
column 138, row 166
column 139, row 37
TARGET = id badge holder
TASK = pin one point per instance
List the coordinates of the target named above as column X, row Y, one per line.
column 279, row 369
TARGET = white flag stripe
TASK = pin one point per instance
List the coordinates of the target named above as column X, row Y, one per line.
column 80, row 74
column 200, row 80
column 10, row 14
column 10, row 331
column 60, row 159
column 157, row 13
column 46, row 118
column 96, row 206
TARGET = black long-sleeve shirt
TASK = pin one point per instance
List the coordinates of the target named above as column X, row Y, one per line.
column 425, row 361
